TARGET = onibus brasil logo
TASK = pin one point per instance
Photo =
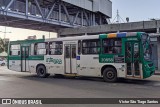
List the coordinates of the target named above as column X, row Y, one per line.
column 55, row 61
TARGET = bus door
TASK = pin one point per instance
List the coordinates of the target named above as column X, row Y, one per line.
column 24, row 58
column 70, row 58
column 132, row 59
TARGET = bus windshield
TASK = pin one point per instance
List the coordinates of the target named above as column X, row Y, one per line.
column 147, row 49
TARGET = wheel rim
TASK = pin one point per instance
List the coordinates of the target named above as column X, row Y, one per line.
column 110, row 75
column 41, row 71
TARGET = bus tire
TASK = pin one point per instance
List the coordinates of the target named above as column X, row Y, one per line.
column 41, row 71
column 110, row 74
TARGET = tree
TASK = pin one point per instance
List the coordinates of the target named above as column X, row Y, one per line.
column 3, row 46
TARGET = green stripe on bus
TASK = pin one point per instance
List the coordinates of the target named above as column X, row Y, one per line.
column 36, row 57
column 103, row 36
column 29, row 58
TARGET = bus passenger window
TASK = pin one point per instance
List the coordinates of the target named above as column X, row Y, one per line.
column 40, row 49
column 73, row 51
column 32, row 50
column 15, row 49
column 79, row 47
column 112, row 46
column 91, row 46
column 67, row 52
column 55, row 48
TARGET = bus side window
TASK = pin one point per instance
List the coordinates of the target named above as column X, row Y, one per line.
column 46, row 46
column 18, row 52
column 79, row 47
column 35, row 49
column 91, row 46
column 40, row 48
column 112, row 46
column 15, row 49
column 32, row 49
column 55, row 48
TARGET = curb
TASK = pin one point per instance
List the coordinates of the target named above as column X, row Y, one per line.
column 156, row 73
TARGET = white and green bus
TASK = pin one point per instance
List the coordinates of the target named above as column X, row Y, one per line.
column 111, row 56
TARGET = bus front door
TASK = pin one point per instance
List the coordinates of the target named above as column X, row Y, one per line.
column 70, row 59
column 24, row 58
column 132, row 59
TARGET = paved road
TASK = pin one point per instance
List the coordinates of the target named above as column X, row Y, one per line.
column 26, row 85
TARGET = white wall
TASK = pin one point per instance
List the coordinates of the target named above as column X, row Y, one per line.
column 86, row 4
column 103, row 6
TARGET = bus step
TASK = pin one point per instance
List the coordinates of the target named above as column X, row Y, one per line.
column 71, row 75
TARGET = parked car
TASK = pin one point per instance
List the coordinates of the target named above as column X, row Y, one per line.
column 2, row 62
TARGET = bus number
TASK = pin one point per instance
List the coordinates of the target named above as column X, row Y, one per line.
column 107, row 60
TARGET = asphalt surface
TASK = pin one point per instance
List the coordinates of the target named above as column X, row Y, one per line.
column 25, row 85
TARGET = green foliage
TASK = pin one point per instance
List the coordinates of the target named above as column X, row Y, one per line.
column 3, row 46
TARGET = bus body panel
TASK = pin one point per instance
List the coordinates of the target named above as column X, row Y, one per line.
column 15, row 65
column 73, row 62
column 54, row 64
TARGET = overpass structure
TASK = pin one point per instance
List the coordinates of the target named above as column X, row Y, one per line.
column 146, row 26
column 49, row 15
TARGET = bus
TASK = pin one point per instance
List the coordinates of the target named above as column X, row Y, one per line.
column 110, row 56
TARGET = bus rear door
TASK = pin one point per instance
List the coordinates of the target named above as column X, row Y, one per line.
column 24, row 58
column 132, row 58
column 70, row 58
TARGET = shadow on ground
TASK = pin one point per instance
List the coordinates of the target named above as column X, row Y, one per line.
column 62, row 79
column 89, row 79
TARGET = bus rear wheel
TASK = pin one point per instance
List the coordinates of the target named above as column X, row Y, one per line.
column 110, row 75
column 41, row 71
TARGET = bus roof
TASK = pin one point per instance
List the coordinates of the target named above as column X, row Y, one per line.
column 74, row 38
column 120, row 35
column 26, row 41
column 110, row 35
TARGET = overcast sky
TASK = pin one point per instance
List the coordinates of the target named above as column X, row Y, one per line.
column 136, row 10
column 21, row 34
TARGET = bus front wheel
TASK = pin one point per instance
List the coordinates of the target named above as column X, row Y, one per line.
column 41, row 71
column 109, row 74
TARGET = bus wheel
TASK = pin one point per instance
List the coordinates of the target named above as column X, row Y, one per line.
column 41, row 71
column 110, row 75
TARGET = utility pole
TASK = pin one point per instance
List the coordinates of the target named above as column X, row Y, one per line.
column 118, row 17
column 118, row 21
